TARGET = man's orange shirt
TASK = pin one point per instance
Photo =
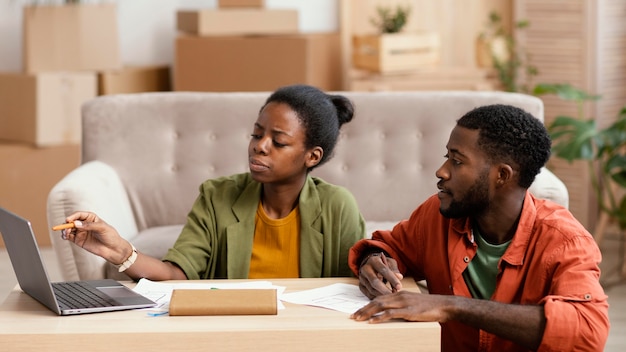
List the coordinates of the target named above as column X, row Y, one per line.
column 551, row 261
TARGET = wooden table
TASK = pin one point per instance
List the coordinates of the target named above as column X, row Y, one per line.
column 26, row 325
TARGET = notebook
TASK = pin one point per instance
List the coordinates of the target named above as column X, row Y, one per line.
column 63, row 298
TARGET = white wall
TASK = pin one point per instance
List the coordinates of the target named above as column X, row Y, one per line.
column 147, row 28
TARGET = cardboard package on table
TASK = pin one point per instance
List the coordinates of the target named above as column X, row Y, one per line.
column 240, row 3
column 223, row 302
column 237, row 21
column 27, row 176
column 44, row 109
column 257, row 63
column 134, row 79
column 74, row 37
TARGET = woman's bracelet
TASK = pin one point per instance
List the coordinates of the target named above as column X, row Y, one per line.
column 128, row 262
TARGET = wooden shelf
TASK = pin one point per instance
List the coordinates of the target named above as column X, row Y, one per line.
column 427, row 78
column 457, row 23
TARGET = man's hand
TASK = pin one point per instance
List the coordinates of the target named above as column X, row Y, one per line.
column 376, row 271
column 410, row 306
column 522, row 324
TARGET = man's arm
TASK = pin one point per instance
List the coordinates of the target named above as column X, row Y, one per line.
column 522, row 324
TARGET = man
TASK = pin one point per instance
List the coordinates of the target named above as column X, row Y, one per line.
column 505, row 271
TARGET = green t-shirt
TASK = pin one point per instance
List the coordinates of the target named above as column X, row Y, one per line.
column 480, row 275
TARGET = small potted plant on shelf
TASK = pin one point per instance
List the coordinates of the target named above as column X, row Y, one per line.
column 389, row 21
column 392, row 49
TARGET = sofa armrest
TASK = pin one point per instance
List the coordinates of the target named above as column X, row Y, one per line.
column 548, row 186
column 96, row 187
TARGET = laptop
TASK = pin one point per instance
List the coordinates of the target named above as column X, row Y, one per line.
column 63, row 298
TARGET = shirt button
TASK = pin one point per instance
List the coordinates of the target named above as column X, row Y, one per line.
column 466, row 259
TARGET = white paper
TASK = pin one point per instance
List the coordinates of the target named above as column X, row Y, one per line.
column 161, row 292
column 345, row 298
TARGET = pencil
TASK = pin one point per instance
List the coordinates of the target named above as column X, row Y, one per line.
column 383, row 257
column 69, row 225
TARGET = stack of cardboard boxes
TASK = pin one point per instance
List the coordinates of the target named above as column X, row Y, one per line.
column 243, row 46
column 68, row 52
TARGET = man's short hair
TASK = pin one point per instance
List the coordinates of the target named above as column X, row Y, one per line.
column 511, row 135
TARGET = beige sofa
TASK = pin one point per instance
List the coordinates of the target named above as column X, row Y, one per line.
column 144, row 156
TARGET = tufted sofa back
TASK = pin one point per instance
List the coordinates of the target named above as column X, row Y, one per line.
column 163, row 145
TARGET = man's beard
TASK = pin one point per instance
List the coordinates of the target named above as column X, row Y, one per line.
column 475, row 201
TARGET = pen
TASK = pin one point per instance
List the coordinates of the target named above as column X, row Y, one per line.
column 69, row 225
column 383, row 257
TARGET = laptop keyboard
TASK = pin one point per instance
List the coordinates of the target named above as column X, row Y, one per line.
column 77, row 294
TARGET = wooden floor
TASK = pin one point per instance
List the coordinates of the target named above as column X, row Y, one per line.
column 615, row 286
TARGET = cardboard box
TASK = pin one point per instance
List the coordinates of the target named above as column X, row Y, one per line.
column 28, row 175
column 240, row 3
column 44, row 109
column 237, row 21
column 70, row 37
column 258, row 63
column 134, row 80
column 395, row 52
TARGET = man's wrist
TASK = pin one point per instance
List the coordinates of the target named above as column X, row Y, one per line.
column 369, row 254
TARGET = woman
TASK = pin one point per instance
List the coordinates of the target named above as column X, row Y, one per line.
column 274, row 222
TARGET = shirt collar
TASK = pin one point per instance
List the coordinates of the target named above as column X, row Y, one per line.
column 514, row 255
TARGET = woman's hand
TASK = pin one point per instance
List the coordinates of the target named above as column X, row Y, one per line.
column 96, row 236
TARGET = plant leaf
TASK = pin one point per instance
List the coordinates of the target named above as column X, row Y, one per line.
column 616, row 168
column 573, row 138
column 564, row 91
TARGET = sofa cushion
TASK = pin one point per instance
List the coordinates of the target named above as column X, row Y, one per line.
column 95, row 187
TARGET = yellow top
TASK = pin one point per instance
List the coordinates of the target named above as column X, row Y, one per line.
column 276, row 247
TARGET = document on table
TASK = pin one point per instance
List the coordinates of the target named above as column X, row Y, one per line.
column 345, row 298
column 161, row 292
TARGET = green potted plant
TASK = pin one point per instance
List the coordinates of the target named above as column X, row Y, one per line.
column 496, row 48
column 389, row 20
column 393, row 49
column 578, row 138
